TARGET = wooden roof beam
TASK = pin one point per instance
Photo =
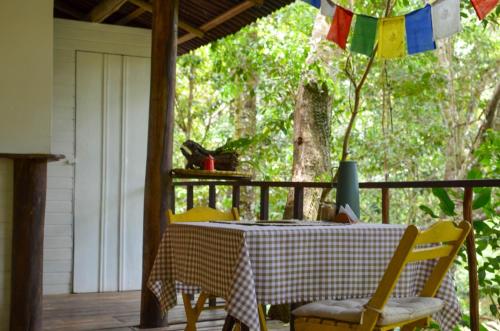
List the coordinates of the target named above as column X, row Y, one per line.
column 63, row 7
column 104, row 9
column 130, row 17
column 183, row 25
column 235, row 11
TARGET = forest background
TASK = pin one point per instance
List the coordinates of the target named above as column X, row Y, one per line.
column 283, row 96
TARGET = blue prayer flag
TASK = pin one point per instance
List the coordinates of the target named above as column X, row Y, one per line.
column 315, row 3
column 419, row 36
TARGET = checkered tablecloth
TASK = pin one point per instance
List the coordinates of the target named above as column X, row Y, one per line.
column 247, row 265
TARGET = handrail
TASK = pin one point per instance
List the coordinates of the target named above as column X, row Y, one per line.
column 368, row 185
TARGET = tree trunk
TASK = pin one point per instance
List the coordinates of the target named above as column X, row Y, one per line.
column 311, row 136
column 245, row 122
column 490, row 122
column 459, row 152
column 451, row 115
column 189, row 115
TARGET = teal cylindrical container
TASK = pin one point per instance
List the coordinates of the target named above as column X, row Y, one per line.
column 348, row 186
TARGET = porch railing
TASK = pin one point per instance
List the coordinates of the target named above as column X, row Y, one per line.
column 384, row 187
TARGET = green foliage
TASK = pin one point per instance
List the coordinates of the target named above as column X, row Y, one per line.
column 445, row 203
column 487, row 241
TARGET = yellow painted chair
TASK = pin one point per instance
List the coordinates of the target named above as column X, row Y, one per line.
column 204, row 214
column 380, row 312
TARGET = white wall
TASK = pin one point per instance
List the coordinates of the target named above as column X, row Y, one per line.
column 26, row 76
column 69, row 37
column 26, row 29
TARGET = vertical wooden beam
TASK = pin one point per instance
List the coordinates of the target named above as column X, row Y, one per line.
column 472, row 262
column 158, row 183
column 212, row 203
column 212, row 196
column 386, row 198
column 298, row 202
column 190, row 197
column 264, row 202
column 236, row 196
column 30, row 184
column 172, row 199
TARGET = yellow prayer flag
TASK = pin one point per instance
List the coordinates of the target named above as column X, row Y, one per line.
column 391, row 37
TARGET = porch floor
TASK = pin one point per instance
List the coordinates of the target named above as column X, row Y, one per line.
column 119, row 312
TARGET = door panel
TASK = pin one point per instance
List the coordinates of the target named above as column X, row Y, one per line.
column 112, row 95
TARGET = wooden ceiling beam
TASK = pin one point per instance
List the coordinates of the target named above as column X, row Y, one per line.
column 234, row 11
column 104, row 9
column 183, row 25
column 130, row 17
column 63, row 7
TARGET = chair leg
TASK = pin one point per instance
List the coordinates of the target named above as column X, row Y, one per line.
column 212, row 302
column 262, row 318
column 229, row 323
column 192, row 313
column 190, row 318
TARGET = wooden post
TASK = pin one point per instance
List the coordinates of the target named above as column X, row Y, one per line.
column 264, row 202
column 30, row 187
column 472, row 262
column 212, row 203
column 190, row 197
column 236, row 196
column 158, row 185
column 385, row 205
column 212, row 196
column 298, row 202
column 30, row 184
column 172, row 200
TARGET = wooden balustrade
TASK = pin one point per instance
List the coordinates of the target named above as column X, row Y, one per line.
column 384, row 187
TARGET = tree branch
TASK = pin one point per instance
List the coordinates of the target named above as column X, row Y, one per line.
column 357, row 95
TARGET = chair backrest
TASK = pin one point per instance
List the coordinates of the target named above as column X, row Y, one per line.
column 203, row 214
column 441, row 241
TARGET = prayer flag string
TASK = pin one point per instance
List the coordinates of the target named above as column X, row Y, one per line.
column 413, row 33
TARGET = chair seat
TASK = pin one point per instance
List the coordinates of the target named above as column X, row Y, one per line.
column 350, row 310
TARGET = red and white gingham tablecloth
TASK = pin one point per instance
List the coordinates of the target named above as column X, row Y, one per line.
column 248, row 264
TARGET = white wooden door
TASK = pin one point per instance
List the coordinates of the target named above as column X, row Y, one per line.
column 112, row 97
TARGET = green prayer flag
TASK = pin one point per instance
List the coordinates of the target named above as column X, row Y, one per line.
column 365, row 33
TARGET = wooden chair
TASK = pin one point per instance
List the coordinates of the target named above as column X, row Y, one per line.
column 204, row 214
column 380, row 312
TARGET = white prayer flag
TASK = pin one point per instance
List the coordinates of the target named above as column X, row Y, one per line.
column 445, row 18
column 327, row 8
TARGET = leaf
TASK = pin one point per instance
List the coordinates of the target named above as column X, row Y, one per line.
column 493, row 309
column 428, row 211
column 481, row 226
column 474, row 173
column 445, row 203
column 482, row 198
column 481, row 275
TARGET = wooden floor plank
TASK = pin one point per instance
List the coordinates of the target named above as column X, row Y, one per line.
column 119, row 311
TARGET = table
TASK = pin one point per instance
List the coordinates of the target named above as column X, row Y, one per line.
column 285, row 264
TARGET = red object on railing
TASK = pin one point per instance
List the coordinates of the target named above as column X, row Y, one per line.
column 209, row 163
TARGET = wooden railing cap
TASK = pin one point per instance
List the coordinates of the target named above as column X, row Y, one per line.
column 466, row 183
column 17, row 156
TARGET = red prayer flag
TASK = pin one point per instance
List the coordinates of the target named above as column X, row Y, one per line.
column 341, row 24
column 483, row 7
